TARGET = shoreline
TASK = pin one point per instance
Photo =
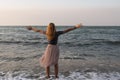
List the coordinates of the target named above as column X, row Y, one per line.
column 65, row 65
column 68, row 70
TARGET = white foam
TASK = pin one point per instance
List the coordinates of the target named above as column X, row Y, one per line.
column 92, row 76
column 72, row 76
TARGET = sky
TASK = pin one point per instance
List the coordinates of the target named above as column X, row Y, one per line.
column 60, row 12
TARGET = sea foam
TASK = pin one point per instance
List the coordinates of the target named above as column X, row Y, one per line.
column 71, row 76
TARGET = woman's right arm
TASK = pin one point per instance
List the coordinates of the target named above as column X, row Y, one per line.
column 36, row 30
column 70, row 29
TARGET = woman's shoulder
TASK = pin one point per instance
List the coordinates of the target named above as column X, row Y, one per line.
column 59, row 32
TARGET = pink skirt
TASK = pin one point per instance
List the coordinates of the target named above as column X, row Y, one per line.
column 50, row 57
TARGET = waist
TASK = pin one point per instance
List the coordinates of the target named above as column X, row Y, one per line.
column 52, row 42
column 52, row 45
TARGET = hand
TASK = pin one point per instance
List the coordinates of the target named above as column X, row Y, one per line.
column 78, row 25
column 29, row 27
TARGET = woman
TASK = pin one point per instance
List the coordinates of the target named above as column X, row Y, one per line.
column 51, row 55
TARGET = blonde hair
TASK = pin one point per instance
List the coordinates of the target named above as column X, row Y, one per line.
column 50, row 31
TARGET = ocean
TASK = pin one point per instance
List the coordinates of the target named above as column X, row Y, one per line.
column 87, row 53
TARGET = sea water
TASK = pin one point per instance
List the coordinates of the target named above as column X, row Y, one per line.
column 17, row 44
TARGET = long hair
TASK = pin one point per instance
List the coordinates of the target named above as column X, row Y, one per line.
column 50, row 31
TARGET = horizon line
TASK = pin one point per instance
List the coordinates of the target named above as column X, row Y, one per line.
column 55, row 25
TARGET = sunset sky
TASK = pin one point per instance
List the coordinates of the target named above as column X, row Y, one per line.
column 61, row 12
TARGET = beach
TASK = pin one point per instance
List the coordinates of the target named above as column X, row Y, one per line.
column 31, row 70
column 90, row 53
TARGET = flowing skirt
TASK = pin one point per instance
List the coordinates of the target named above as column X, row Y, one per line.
column 50, row 57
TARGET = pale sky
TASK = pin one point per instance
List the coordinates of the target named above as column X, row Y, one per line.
column 61, row 12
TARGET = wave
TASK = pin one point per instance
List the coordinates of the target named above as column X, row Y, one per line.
column 80, row 56
column 27, row 75
column 13, row 59
column 19, row 42
column 113, row 42
column 111, row 55
column 109, row 42
column 70, row 44
column 68, row 57
column 100, row 42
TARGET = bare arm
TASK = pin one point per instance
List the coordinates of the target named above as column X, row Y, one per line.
column 70, row 29
column 36, row 30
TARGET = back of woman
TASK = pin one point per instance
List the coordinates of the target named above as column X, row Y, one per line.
column 51, row 54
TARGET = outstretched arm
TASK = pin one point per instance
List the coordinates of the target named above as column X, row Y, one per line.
column 70, row 29
column 36, row 30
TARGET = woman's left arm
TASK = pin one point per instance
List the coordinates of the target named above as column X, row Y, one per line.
column 70, row 29
column 36, row 30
